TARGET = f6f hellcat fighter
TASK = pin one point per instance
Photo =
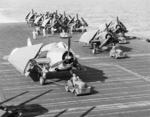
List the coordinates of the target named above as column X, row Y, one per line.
column 98, row 39
column 40, row 58
column 117, row 27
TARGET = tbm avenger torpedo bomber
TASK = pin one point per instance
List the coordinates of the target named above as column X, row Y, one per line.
column 41, row 59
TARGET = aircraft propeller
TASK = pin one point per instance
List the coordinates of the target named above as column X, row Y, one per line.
column 67, row 56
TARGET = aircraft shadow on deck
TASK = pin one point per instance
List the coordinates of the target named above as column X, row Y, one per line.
column 63, row 75
column 33, row 110
column 132, row 37
column 27, row 110
column 91, row 74
column 88, row 74
column 125, row 49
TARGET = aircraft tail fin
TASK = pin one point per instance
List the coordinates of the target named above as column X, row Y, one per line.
column 29, row 43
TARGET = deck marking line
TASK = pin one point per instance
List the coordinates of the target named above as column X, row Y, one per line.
column 134, row 73
column 109, row 106
column 97, row 57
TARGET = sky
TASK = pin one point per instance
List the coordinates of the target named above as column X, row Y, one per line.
column 134, row 13
column 17, row 9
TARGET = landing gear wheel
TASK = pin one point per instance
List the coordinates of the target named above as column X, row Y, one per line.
column 75, row 93
column 26, row 74
column 15, row 114
column 42, row 81
column 91, row 46
column 110, row 56
column 116, row 56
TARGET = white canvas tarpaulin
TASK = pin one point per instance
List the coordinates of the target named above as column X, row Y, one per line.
column 19, row 57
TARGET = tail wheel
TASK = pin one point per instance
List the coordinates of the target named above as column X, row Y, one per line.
column 94, row 48
column 94, row 51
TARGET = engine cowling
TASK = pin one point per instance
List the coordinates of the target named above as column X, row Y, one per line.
column 68, row 57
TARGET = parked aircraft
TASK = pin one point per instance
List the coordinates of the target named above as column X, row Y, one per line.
column 40, row 58
column 97, row 39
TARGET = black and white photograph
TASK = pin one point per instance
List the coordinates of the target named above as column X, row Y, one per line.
column 74, row 58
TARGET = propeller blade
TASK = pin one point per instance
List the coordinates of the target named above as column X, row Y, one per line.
column 70, row 17
column 64, row 14
column 60, row 17
column 94, row 35
column 56, row 12
column 67, row 57
column 69, row 43
column 106, row 27
column 104, row 42
column 71, row 21
column 32, row 11
column 118, row 19
column 77, row 16
column 27, row 15
column 86, row 24
column 109, row 24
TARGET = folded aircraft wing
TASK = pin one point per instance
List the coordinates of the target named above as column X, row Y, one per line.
column 30, row 16
column 87, row 36
column 19, row 57
column 27, row 15
column 45, row 22
column 37, row 19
